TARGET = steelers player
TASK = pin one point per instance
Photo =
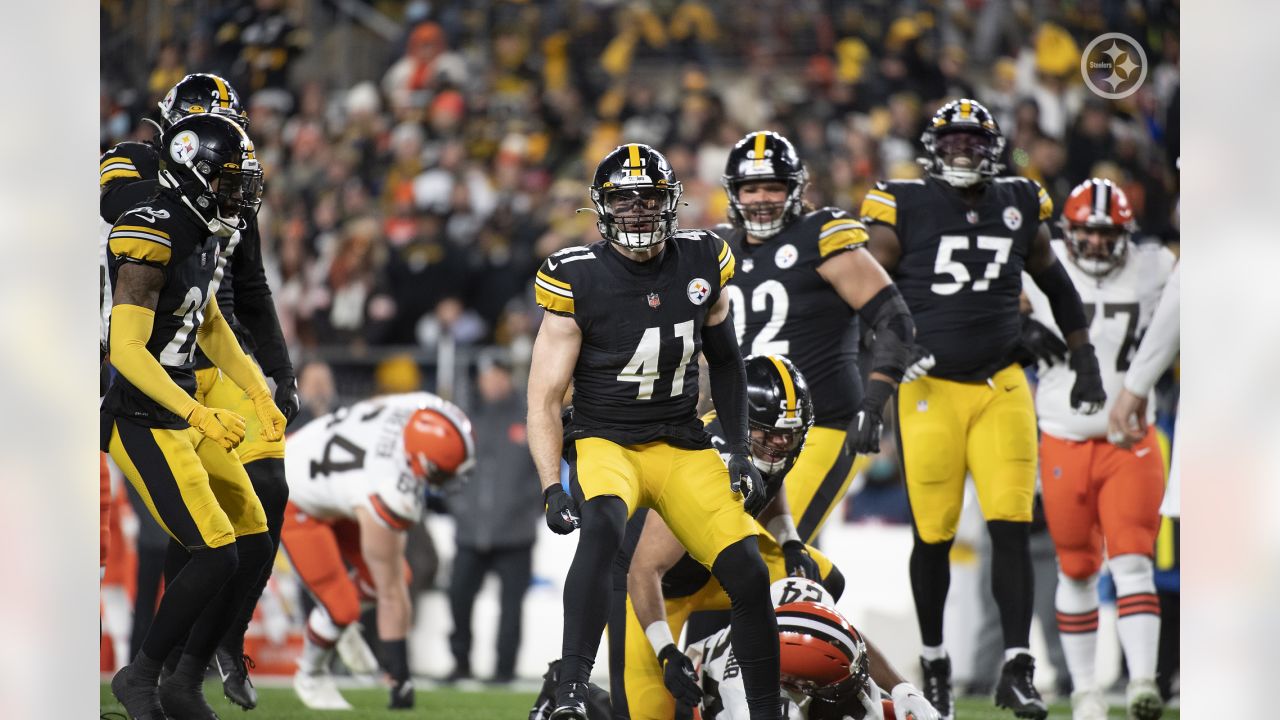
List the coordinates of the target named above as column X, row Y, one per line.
column 627, row 318
column 128, row 176
column 164, row 258
column 956, row 244
column 658, row 584
column 802, row 277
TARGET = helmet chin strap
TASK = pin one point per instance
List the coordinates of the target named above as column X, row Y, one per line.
column 215, row 225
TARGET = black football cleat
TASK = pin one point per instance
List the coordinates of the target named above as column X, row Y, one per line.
column 141, row 701
column 1017, row 690
column 401, row 696
column 937, row 686
column 571, row 702
column 233, row 668
column 185, row 702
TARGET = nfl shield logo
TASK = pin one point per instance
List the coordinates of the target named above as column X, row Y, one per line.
column 654, row 300
column 747, row 264
column 972, row 217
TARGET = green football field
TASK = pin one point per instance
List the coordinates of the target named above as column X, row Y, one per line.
column 277, row 703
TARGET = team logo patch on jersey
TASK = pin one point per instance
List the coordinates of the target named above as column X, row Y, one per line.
column 1012, row 218
column 972, row 217
column 786, row 256
column 698, row 291
column 654, row 300
column 183, row 147
column 747, row 264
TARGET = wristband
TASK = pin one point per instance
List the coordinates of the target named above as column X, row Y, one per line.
column 783, row 529
column 659, row 634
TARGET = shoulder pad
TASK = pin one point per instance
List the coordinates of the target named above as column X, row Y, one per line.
column 1026, row 184
column 880, row 205
column 552, row 286
column 128, row 161
column 144, row 233
column 1155, row 253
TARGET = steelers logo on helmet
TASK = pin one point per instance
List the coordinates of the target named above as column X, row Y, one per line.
column 201, row 93
column 1098, row 222
column 183, row 147
column 962, row 144
column 779, row 413
column 698, row 289
column 765, row 165
column 636, row 195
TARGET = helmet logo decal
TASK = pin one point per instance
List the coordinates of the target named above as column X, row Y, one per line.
column 184, row 146
column 758, row 150
column 654, row 300
column 1012, row 218
column 698, row 291
column 786, row 256
column 790, row 406
column 635, row 163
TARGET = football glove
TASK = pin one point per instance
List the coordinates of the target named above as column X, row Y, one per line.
column 1039, row 343
column 1087, row 394
column 919, row 363
column 287, row 396
column 221, row 426
column 401, row 695
column 744, row 472
column 868, row 424
column 678, row 676
column 270, row 417
column 562, row 511
column 910, row 704
column 799, row 562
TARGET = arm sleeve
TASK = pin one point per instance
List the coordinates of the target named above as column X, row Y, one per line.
column 1160, row 343
column 130, row 327
column 886, row 312
column 256, row 308
column 217, row 340
column 728, row 379
column 1064, row 300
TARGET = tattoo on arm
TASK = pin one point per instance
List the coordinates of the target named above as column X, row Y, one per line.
column 138, row 284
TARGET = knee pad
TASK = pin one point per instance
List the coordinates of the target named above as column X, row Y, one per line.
column 1132, row 573
column 741, row 571
column 268, row 479
column 604, row 519
column 834, row 582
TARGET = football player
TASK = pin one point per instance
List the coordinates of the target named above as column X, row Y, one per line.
column 830, row 671
column 357, row 480
column 956, row 244
column 803, row 275
column 164, row 260
column 658, row 585
column 128, row 176
column 1096, row 494
column 627, row 318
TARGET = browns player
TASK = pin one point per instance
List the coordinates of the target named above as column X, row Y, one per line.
column 1096, row 493
column 956, row 244
column 357, row 481
column 627, row 318
column 128, row 175
column 163, row 261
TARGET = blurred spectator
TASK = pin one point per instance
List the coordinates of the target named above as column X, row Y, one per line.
column 497, row 510
column 426, row 66
column 259, row 42
column 317, row 391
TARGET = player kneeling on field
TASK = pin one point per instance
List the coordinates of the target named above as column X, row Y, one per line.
column 356, row 483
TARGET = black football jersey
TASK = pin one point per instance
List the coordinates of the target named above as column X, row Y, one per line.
column 960, row 271
column 636, row 378
column 163, row 233
column 782, row 306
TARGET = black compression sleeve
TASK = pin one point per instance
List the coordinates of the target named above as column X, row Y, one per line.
column 886, row 312
column 120, row 196
column 256, row 308
column 728, row 381
column 1064, row 300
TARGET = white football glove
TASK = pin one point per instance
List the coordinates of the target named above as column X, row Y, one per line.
column 921, row 362
column 910, row 704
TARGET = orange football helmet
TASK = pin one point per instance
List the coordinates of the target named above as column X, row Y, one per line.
column 1098, row 220
column 821, row 654
column 439, row 442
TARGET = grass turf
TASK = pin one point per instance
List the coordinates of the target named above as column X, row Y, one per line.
column 445, row 704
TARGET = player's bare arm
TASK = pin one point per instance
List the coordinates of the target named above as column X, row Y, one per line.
column 884, row 246
column 656, row 553
column 138, row 284
column 383, row 551
column 857, row 278
column 555, row 352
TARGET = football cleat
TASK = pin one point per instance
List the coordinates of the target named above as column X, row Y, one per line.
column 318, row 691
column 233, row 668
column 401, row 696
column 937, row 686
column 571, row 702
column 355, row 652
column 141, row 701
column 1143, row 701
column 1017, row 690
column 185, row 702
column 1088, row 705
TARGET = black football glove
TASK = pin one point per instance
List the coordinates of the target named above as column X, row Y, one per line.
column 401, row 695
column 744, row 472
column 562, row 511
column 287, row 396
column 868, row 424
column 799, row 562
column 919, row 363
column 678, row 676
column 1040, row 344
column 1087, row 395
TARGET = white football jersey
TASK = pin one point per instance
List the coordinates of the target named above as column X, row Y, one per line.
column 1119, row 308
column 354, row 457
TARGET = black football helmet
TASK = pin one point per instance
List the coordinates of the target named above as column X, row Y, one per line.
column 780, row 413
column 962, row 130
column 765, row 155
column 636, row 194
column 200, row 150
column 201, row 93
